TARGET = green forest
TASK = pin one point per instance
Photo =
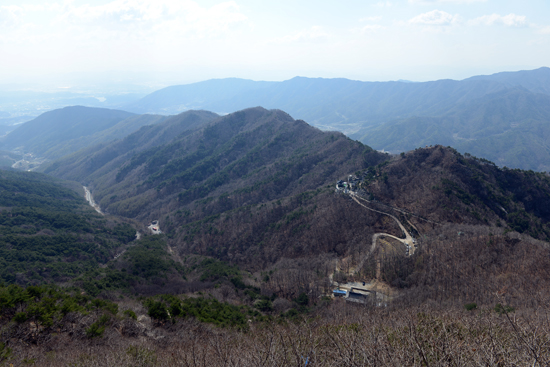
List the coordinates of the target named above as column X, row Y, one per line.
column 48, row 233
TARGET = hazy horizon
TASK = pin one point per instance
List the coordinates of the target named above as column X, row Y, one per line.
column 142, row 45
column 144, row 87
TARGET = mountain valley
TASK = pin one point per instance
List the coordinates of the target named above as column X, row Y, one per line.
column 229, row 238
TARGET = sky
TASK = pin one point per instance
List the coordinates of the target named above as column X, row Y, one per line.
column 154, row 43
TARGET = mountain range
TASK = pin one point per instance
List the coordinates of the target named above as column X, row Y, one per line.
column 501, row 117
column 232, row 231
column 150, row 173
column 474, row 115
column 209, row 171
column 510, row 127
column 255, row 187
column 60, row 132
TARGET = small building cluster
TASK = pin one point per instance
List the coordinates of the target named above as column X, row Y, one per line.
column 356, row 295
column 351, row 185
column 339, row 293
column 354, row 181
column 342, row 187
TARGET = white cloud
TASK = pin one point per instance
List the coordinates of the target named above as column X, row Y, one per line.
column 10, row 16
column 34, row 7
column 544, row 30
column 369, row 28
column 510, row 20
column 383, row 4
column 314, row 34
column 435, row 18
column 182, row 16
column 427, row 2
column 372, row 28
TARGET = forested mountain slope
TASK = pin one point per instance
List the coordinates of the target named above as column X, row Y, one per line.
column 440, row 184
column 58, row 126
column 257, row 186
column 49, row 233
column 258, row 147
column 510, row 127
column 236, row 162
column 60, row 132
column 101, row 159
column 444, row 192
column 255, row 238
column 483, row 231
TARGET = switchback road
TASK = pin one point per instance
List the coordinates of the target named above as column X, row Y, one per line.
column 407, row 241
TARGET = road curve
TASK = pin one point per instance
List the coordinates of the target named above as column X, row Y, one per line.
column 407, row 241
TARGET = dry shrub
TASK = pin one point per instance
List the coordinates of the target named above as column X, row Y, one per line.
column 339, row 335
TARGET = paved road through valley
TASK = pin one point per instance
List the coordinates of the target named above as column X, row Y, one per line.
column 90, row 199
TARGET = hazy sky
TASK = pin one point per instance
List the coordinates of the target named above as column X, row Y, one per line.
column 177, row 41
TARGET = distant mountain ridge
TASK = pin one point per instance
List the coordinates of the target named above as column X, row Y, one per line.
column 323, row 101
column 176, row 99
column 368, row 111
column 510, row 128
column 503, row 117
column 537, row 81
column 341, row 104
column 64, row 131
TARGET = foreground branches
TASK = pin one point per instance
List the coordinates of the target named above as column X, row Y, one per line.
column 340, row 335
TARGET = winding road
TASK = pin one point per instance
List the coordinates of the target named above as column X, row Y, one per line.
column 407, row 241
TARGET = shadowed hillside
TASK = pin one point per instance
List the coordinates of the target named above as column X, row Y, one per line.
column 255, row 239
column 108, row 156
column 61, row 132
column 247, row 162
column 49, row 234
column 57, row 127
column 508, row 127
column 256, row 186
column 483, row 115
